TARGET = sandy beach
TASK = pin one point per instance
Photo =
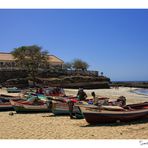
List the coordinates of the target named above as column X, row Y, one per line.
column 48, row 126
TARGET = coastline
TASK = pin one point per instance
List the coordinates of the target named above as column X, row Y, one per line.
column 138, row 91
column 47, row 126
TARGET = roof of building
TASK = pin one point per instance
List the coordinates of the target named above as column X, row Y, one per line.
column 6, row 57
column 55, row 59
column 9, row 57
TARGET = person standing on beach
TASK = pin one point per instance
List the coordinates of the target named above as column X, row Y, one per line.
column 81, row 95
column 95, row 99
column 70, row 105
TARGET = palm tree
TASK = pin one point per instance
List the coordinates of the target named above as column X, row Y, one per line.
column 30, row 58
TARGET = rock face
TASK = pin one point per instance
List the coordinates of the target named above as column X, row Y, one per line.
column 65, row 81
column 87, row 85
column 76, row 82
column 11, row 74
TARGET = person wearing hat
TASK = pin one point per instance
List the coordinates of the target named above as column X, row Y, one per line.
column 81, row 95
column 121, row 101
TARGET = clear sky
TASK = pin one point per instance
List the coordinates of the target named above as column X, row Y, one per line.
column 114, row 42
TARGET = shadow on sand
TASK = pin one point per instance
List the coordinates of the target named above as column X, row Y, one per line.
column 117, row 124
column 52, row 115
column 22, row 113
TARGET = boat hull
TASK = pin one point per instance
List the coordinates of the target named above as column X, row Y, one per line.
column 13, row 90
column 104, row 116
column 6, row 107
column 30, row 108
column 22, row 109
column 60, row 108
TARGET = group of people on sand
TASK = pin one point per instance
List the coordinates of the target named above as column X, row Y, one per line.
column 81, row 95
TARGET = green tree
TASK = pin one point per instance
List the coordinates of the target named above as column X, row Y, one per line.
column 78, row 64
column 31, row 58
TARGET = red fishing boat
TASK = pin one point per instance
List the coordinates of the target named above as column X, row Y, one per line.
column 30, row 106
column 5, row 104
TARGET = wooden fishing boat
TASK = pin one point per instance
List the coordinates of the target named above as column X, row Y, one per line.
column 60, row 105
column 68, row 106
column 30, row 107
column 114, row 114
column 5, row 106
column 6, row 96
column 137, row 105
column 60, row 108
column 13, row 90
column 76, row 111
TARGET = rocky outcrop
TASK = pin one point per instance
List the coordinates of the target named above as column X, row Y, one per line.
column 65, row 81
column 76, row 82
column 11, row 74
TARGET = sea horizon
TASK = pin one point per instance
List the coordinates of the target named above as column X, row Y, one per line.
column 130, row 81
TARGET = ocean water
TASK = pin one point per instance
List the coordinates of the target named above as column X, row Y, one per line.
column 141, row 91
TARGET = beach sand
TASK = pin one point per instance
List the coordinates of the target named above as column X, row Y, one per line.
column 47, row 126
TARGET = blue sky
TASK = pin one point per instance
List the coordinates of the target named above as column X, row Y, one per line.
column 111, row 41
